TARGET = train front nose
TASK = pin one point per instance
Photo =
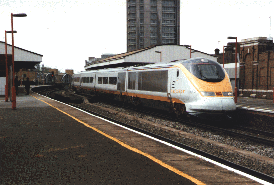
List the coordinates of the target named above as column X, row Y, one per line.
column 228, row 104
column 212, row 104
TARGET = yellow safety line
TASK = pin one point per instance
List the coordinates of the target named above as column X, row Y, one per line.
column 132, row 148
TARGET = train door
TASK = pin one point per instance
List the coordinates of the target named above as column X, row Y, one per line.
column 176, row 92
column 180, row 86
column 172, row 83
column 81, row 80
column 94, row 82
column 121, row 84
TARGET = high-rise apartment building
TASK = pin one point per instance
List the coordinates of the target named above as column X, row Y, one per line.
column 152, row 22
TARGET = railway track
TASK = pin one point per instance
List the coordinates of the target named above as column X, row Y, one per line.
column 241, row 132
column 257, row 132
column 236, row 132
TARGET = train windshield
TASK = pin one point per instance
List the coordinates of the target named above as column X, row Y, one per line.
column 205, row 69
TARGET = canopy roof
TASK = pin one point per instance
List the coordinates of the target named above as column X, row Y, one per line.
column 22, row 58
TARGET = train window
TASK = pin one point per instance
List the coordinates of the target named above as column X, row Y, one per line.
column 85, row 80
column 105, row 80
column 208, row 70
column 100, row 80
column 153, row 81
column 113, row 80
column 90, row 79
column 132, row 77
column 121, row 81
column 132, row 80
column 177, row 73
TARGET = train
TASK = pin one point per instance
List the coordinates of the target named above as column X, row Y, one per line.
column 63, row 78
column 194, row 86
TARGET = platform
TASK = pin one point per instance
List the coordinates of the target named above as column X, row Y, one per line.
column 256, row 105
column 44, row 141
column 40, row 144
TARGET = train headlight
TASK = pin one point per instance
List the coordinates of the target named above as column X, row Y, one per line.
column 227, row 94
column 205, row 93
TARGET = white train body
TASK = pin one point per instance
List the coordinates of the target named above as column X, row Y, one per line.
column 193, row 86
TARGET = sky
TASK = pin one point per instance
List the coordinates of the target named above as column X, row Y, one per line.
column 67, row 32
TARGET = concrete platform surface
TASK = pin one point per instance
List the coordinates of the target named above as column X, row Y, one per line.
column 39, row 144
column 256, row 104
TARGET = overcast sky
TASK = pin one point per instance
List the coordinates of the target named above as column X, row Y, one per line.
column 67, row 32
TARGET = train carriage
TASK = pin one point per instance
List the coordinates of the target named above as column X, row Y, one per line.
column 76, row 81
column 194, row 86
column 106, row 81
column 66, row 79
column 87, row 80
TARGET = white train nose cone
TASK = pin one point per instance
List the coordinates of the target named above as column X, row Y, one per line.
column 211, row 104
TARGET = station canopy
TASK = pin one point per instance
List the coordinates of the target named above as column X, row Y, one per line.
column 22, row 58
column 149, row 55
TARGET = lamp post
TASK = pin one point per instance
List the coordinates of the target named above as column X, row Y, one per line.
column 235, row 92
column 189, row 51
column 160, row 55
column 13, row 76
column 189, row 47
column 7, row 73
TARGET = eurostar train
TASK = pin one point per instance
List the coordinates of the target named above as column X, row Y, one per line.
column 191, row 86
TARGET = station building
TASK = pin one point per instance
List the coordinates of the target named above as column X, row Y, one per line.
column 149, row 55
column 255, row 65
column 23, row 59
column 93, row 60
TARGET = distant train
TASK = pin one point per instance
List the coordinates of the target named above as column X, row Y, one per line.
column 191, row 86
column 51, row 79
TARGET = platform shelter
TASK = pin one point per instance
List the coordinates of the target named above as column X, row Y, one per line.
column 23, row 59
column 149, row 55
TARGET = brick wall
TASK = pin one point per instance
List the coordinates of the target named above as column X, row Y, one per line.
column 69, row 71
column 54, row 70
column 229, row 55
column 31, row 74
column 257, row 68
column 256, row 65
